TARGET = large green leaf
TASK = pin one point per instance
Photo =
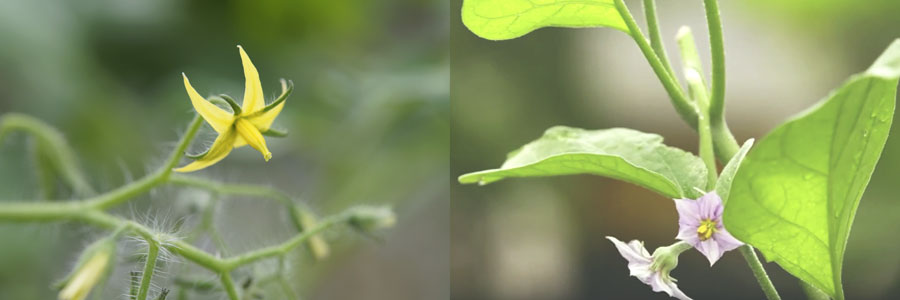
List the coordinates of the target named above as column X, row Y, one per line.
column 625, row 154
column 508, row 19
column 795, row 196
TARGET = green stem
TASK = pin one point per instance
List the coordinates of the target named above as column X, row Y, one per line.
column 149, row 267
column 92, row 211
column 725, row 144
column 697, row 87
column 301, row 217
column 656, row 41
column 292, row 243
column 716, row 138
column 759, row 272
column 228, row 284
column 684, row 108
column 122, row 194
column 54, row 146
column 717, row 52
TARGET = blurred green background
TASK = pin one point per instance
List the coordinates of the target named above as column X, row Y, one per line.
column 544, row 238
column 368, row 123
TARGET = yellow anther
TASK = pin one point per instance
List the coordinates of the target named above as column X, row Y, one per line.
column 706, row 229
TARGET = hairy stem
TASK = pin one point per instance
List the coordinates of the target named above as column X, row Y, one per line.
column 149, row 267
column 92, row 211
column 301, row 217
column 52, row 147
column 760, row 273
column 286, row 246
column 228, row 284
column 122, row 194
column 684, row 108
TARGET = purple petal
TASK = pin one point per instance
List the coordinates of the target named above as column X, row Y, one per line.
column 726, row 241
column 688, row 234
column 710, row 206
column 688, row 212
column 710, row 249
column 633, row 252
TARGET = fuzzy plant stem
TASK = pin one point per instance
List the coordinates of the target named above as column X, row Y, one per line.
column 92, row 211
column 228, row 283
column 52, row 149
column 149, row 267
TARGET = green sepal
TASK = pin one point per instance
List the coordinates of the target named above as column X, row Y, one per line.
column 198, row 155
column 275, row 132
column 287, row 87
column 235, row 108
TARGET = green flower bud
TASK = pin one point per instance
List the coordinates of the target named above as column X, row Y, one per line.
column 369, row 219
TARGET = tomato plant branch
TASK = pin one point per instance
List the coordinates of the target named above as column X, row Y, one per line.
column 92, row 211
column 149, row 267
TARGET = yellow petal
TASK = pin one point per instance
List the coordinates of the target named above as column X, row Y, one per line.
column 85, row 279
column 265, row 120
column 253, row 137
column 219, row 119
column 253, row 93
column 239, row 142
column 219, row 150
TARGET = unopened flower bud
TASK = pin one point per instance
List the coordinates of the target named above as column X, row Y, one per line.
column 91, row 268
column 369, row 219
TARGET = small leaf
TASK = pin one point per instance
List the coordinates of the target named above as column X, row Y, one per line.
column 797, row 192
column 620, row 153
column 508, row 19
column 723, row 184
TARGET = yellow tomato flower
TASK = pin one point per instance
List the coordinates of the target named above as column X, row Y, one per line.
column 245, row 126
column 80, row 285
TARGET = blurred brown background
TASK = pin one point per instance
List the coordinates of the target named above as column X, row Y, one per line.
column 544, row 238
column 368, row 124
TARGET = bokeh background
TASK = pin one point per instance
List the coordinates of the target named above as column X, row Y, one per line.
column 368, row 123
column 544, row 238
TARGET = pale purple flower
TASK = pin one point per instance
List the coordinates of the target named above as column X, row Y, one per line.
column 700, row 224
column 639, row 263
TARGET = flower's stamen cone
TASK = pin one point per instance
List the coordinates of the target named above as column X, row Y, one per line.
column 253, row 137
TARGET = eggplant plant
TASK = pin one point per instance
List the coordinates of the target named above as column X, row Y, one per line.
column 791, row 195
